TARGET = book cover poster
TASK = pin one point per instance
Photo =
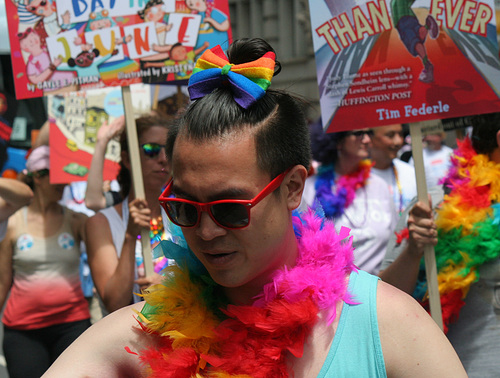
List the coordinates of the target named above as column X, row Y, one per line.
column 383, row 62
column 75, row 119
column 64, row 46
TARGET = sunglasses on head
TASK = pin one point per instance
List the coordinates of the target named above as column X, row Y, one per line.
column 41, row 173
column 229, row 214
column 152, row 149
column 361, row 133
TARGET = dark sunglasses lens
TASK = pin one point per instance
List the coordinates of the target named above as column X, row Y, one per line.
column 361, row 133
column 232, row 215
column 42, row 173
column 151, row 149
column 182, row 214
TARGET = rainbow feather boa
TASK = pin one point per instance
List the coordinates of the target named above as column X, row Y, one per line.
column 468, row 227
column 334, row 204
column 200, row 335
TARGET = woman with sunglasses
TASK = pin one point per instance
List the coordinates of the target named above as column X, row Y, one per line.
column 350, row 194
column 113, row 247
column 39, row 265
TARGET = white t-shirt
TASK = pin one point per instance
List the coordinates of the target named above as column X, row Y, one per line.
column 371, row 218
column 436, row 164
column 407, row 181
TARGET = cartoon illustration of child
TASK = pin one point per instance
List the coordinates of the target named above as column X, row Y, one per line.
column 39, row 67
column 180, row 56
column 102, row 20
column 154, row 11
column 413, row 34
column 45, row 11
column 214, row 23
column 86, row 63
column 99, row 20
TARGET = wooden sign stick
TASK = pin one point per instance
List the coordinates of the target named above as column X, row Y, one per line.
column 156, row 93
column 135, row 161
column 429, row 255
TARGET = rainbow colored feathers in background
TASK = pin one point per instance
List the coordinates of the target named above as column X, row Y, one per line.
column 468, row 226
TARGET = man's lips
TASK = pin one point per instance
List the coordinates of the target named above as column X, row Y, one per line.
column 219, row 258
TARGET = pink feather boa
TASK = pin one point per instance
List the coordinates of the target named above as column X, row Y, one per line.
column 253, row 341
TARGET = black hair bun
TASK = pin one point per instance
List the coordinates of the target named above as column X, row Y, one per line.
column 245, row 50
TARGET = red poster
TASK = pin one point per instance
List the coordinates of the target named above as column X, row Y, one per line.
column 383, row 62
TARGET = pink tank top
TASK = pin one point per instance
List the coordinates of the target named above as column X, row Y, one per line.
column 46, row 287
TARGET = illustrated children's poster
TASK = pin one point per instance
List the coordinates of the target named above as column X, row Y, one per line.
column 63, row 46
column 75, row 119
column 382, row 62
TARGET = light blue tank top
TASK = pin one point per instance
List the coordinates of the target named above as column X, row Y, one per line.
column 356, row 350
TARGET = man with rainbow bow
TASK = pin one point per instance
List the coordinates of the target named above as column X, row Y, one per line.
column 258, row 291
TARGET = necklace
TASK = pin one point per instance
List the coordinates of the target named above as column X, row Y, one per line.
column 73, row 193
column 200, row 334
column 156, row 235
column 156, row 230
column 334, row 204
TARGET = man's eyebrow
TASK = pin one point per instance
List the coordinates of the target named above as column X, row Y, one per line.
column 230, row 193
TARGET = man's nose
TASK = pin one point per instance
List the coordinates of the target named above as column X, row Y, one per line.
column 207, row 229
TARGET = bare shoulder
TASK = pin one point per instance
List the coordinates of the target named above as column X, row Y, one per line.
column 101, row 350
column 412, row 343
column 97, row 224
column 98, row 220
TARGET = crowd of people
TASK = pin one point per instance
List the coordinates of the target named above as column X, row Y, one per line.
column 287, row 251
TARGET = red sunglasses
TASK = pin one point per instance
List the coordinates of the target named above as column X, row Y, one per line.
column 230, row 214
column 24, row 34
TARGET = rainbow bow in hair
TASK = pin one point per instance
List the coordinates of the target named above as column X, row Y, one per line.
column 249, row 81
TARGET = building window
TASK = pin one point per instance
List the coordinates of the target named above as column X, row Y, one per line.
column 285, row 24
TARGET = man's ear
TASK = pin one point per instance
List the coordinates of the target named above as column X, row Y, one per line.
column 294, row 181
column 498, row 138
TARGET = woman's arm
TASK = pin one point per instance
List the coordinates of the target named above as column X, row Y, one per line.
column 5, row 266
column 13, row 195
column 114, row 276
column 94, row 197
column 78, row 222
column 403, row 272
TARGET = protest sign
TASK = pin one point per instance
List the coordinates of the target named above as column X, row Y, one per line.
column 384, row 62
column 75, row 119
